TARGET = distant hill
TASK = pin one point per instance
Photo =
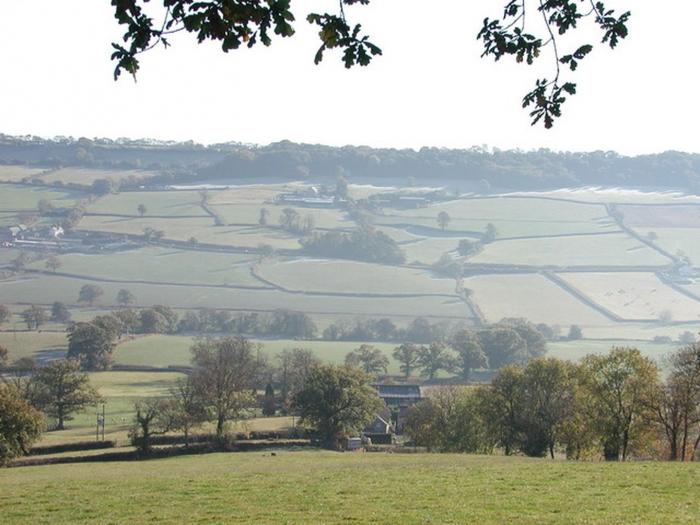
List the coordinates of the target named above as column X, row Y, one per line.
column 475, row 168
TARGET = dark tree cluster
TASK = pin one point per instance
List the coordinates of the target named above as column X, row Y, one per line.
column 33, row 398
column 613, row 407
column 282, row 323
column 472, row 169
column 458, row 351
column 363, row 244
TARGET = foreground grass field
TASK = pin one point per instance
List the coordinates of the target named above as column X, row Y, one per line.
column 325, row 487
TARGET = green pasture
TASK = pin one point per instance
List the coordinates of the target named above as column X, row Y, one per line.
column 635, row 295
column 26, row 198
column 429, row 250
column 324, row 275
column 119, row 390
column 173, row 350
column 45, row 289
column 8, row 219
column 9, row 173
column 86, row 176
column 598, row 195
column 249, row 213
column 326, row 487
column 589, row 250
column 677, row 241
column 511, row 216
column 158, row 203
column 162, row 265
column 531, row 296
column 577, row 350
column 252, row 194
column 34, row 344
column 203, row 229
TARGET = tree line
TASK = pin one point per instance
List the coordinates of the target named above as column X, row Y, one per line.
column 31, row 396
column 492, row 347
column 613, row 406
column 478, row 167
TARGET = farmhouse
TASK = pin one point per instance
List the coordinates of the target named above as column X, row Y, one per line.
column 310, row 197
column 380, row 430
column 14, row 233
column 399, row 395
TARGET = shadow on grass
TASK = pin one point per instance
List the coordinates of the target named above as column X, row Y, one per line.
column 169, row 452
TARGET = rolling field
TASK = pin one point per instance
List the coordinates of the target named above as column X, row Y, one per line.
column 158, row 203
column 202, row 229
column 119, row 391
column 676, row 216
column 162, row 265
column 17, row 173
column 327, row 487
column 600, row 195
column 46, row 289
column 515, row 216
column 635, row 295
column 34, row 344
column 323, row 275
column 531, row 296
column 249, row 194
column 677, row 241
column 429, row 250
column 577, row 350
column 25, row 198
column 166, row 350
column 244, row 213
column 553, row 233
column 588, row 250
column 87, row 176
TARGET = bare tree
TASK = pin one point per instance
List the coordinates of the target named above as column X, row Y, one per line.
column 224, row 374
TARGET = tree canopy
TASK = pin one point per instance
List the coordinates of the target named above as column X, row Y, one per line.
column 236, row 23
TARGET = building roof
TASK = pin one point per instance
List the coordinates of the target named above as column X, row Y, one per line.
column 401, row 390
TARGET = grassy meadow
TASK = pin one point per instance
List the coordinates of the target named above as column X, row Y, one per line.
column 160, row 203
column 162, row 265
column 323, row 275
column 326, row 487
column 585, row 250
column 635, row 295
column 15, row 197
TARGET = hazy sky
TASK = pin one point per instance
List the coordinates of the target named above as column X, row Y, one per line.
column 429, row 89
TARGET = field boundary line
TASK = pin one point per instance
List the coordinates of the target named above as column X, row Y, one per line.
column 565, row 286
column 368, row 295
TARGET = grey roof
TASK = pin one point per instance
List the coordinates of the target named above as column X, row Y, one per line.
column 398, row 390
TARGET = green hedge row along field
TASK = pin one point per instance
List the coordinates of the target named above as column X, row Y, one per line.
column 326, row 487
column 162, row 265
column 157, row 203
